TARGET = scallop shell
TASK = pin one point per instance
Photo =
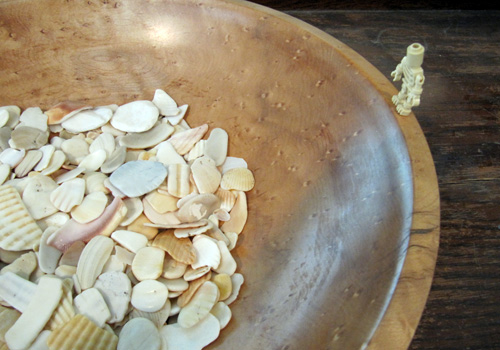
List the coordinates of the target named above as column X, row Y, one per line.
column 18, row 231
column 216, row 146
column 232, row 163
column 199, row 306
column 167, row 154
column 139, row 333
column 47, row 153
column 93, row 161
column 139, row 225
column 240, row 179
column 64, row 110
column 87, row 120
column 223, row 313
column 149, row 295
column 92, row 305
column 23, row 266
column 138, row 177
column 148, row 263
column 34, row 117
column 239, row 215
column 237, row 281
column 196, row 337
column 12, row 157
column 160, row 132
column 198, row 207
column 55, row 163
column 185, row 140
column 27, row 137
column 207, row 252
column 36, row 196
column 108, row 128
column 68, row 194
column 161, row 203
column 64, row 310
column 125, row 118
column 81, row 334
column 130, row 240
column 181, row 249
column 93, row 257
column 115, row 160
column 105, row 141
column 159, row 318
column 178, row 180
column 4, row 117
column 92, row 206
column 206, row 175
column 165, row 104
column 75, row 149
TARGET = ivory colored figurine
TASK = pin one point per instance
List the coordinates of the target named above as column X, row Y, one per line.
column 413, row 78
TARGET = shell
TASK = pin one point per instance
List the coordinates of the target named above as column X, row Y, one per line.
column 16, row 291
column 192, row 274
column 178, row 180
column 198, row 207
column 139, row 226
column 161, row 203
column 27, row 137
column 166, row 219
column 7, row 318
column 233, row 163
column 176, row 119
column 227, row 263
column 227, row 199
column 68, row 194
column 167, row 154
column 81, row 334
column 233, row 239
column 34, row 117
column 12, row 157
column 223, row 313
column 94, row 182
column 116, row 290
column 75, row 149
column 173, row 269
column 4, row 117
column 64, row 110
column 65, row 271
column 47, row 153
column 105, row 141
column 175, row 285
column 148, row 263
column 125, row 117
column 185, row 140
column 64, row 310
column 138, row 177
column 58, row 220
column 194, row 338
column 4, row 173
column 108, row 128
column 114, row 264
column 216, row 146
column 206, row 175
column 36, row 197
column 139, row 333
column 55, row 163
column 237, row 281
column 5, row 133
column 48, row 256
column 160, row 132
column 159, row 318
column 199, row 306
column 134, row 210
column 192, row 231
column 13, row 112
column 93, row 161
column 72, row 254
column 87, row 120
column 239, row 215
column 69, row 175
column 92, row 206
column 29, row 161
column 124, row 255
column 165, row 104
column 92, row 260
column 197, row 151
column 223, row 282
column 130, row 240
column 240, row 179
column 91, row 304
column 115, row 160
column 149, row 295
column 207, row 252
column 45, row 300
column 23, row 266
column 18, row 231
column 181, row 249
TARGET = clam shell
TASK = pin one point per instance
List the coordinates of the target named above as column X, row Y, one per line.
column 23, row 266
column 130, row 240
column 232, row 163
column 5, row 133
column 75, row 149
column 55, row 163
column 185, row 140
column 207, row 252
column 64, row 310
column 29, row 161
column 175, row 285
column 93, row 161
column 94, row 182
column 48, row 256
column 116, row 290
column 92, row 206
column 223, row 313
column 178, row 180
column 16, row 291
column 239, row 215
column 138, row 177
column 36, row 197
column 148, row 263
column 159, row 318
column 227, row 263
column 167, row 154
column 68, row 194
column 27, row 137
column 35, row 118
column 160, row 132
column 105, row 141
column 198, row 207
column 64, row 110
column 237, row 281
column 14, row 113
column 18, row 231
column 149, row 295
column 139, row 225
column 181, row 249
column 216, row 146
column 161, row 203
column 47, row 153
column 125, row 118
column 134, row 210
column 87, row 120
column 196, row 337
column 173, row 269
column 81, row 334
column 206, row 175
column 240, row 179
column 92, row 260
column 91, row 304
column 199, row 306
column 115, row 160
column 165, row 104
column 12, row 157
column 139, row 333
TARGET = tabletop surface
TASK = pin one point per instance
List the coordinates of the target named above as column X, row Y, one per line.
column 460, row 117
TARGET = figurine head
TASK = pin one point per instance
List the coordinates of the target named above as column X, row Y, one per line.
column 415, row 55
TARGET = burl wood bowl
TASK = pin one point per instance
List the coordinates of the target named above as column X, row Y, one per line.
column 340, row 246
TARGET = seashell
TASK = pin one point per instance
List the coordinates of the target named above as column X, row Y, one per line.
column 56, row 128
column 148, row 155
column 215, row 233
column 173, row 269
column 69, row 175
column 55, row 163
column 132, row 241
column 40, row 343
column 4, row 173
column 159, row 318
column 92, row 206
column 227, row 199
column 126, row 116
column 35, row 316
column 65, row 271
column 192, row 231
column 174, row 308
column 34, row 117
column 175, row 285
column 93, row 161
column 75, row 149
column 207, row 252
column 8, row 256
column 108, row 128
column 72, row 254
column 138, row 177
column 116, row 290
column 167, row 154
column 64, row 310
column 222, row 214
column 139, row 333
column 8, row 317
column 18, row 231
column 240, row 179
column 176, row 119
column 16, row 291
column 161, row 203
column 206, row 175
column 134, row 210
column 179, row 224
column 199, row 306
column 233, row 239
column 57, row 141
column 216, row 146
column 195, row 338
column 48, row 256
column 178, row 180
column 12, row 157
column 36, row 196
column 68, row 194
column 64, row 110
column 198, row 207
column 223, row 313
column 233, row 163
column 47, row 153
column 139, row 226
column 239, row 215
column 92, row 260
column 91, row 304
column 197, row 151
column 94, row 182
column 27, row 137
column 105, row 141
column 58, row 220
column 4, row 118
column 181, row 249
column 185, row 140
column 23, row 266
column 114, row 264
column 5, row 133
column 223, row 282
column 192, row 274
column 166, row 219
column 13, row 112
column 87, row 120
column 227, row 263
column 149, row 295
column 80, row 333
column 160, row 132
column 124, row 255
column 237, row 281
column 148, row 263
column 165, row 104
column 29, row 161
column 115, row 160
column 132, row 155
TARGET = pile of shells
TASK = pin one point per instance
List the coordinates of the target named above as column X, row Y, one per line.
column 116, row 227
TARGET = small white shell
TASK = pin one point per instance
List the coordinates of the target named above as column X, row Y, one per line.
column 12, row 156
column 167, row 154
column 55, row 163
column 222, row 312
column 138, row 177
column 130, row 240
column 105, row 141
column 87, row 120
column 48, row 256
column 166, row 104
column 206, row 175
column 178, row 180
column 29, row 161
column 199, row 306
column 149, row 295
column 175, row 285
column 91, row 304
column 227, row 263
column 240, row 179
column 125, row 118
column 207, row 252
column 237, row 281
column 68, row 194
column 232, row 163
column 93, row 161
column 134, row 210
column 47, row 153
column 36, row 197
column 116, row 290
column 91, row 208
column 239, row 215
column 116, row 159
column 75, row 149
column 94, row 182
column 194, row 338
column 92, row 260
column 149, row 138
column 34, row 117
column 216, row 146
column 139, row 333
column 159, row 318
column 148, row 263
column 4, row 172
column 185, row 140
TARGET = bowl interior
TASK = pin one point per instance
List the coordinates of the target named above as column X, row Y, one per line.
column 329, row 217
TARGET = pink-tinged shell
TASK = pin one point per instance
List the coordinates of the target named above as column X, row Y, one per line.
column 185, row 140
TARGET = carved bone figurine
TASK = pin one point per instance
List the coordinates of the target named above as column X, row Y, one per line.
column 413, row 78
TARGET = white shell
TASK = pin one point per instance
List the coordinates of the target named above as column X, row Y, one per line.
column 116, row 159
column 239, row 215
column 134, row 210
column 193, row 274
column 175, row 285
column 48, row 256
column 207, row 252
column 148, row 263
column 131, row 240
column 222, row 312
column 68, row 194
column 216, row 146
column 75, row 149
column 4, row 117
column 40, row 342
column 69, row 175
column 198, row 207
column 29, row 161
column 227, row 263
column 149, row 138
column 87, row 120
column 116, row 289
column 125, row 118
column 197, row 151
column 199, row 306
column 167, row 154
column 194, row 338
column 94, row 182
column 166, row 104
column 237, row 281
column 91, row 208
column 93, row 161
column 185, row 140
column 92, row 260
column 34, row 117
column 55, row 163
column 232, row 163
column 178, row 180
column 72, row 254
column 105, row 141
column 159, row 318
column 149, row 295
column 16, row 291
column 36, row 197
column 91, row 304
column 138, row 334
column 4, row 173
column 14, row 112
column 206, row 175
column 138, row 177
column 173, row 269
column 12, row 156
column 47, row 153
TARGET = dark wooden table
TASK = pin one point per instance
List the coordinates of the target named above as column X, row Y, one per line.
column 460, row 116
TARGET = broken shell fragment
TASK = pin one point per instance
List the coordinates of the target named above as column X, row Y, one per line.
column 36, row 196
column 149, row 138
column 198, row 207
column 92, row 260
column 185, row 140
column 115, row 160
column 232, row 163
column 12, row 157
column 216, row 146
column 236, row 281
column 166, row 104
column 199, row 306
column 16, row 291
column 48, row 256
column 194, row 338
column 104, row 141
column 239, row 215
column 93, row 161
column 159, row 318
column 131, row 240
column 23, row 266
column 4, row 172
column 139, row 333
column 223, row 313
column 64, row 310
column 94, row 182
column 138, row 177
column 161, row 202
column 47, row 152
column 55, row 163
column 91, row 304
column 178, row 180
column 91, row 207
column 167, row 154
column 225, row 285
column 181, row 249
column 29, row 161
column 136, row 116
column 173, row 269
column 33, row 117
column 64, row 110
column 149, row 295
column 116, row 290
column 75, row 150
column 206, row 175
column 139, row 225
column 134, row 210
column 68, row 195
column 207, row 252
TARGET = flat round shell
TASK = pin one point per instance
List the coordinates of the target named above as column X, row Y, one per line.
column 138, row 177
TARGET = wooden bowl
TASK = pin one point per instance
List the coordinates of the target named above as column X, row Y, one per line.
column 346, row 188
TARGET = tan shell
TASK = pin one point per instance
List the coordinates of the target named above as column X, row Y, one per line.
column 185, row 140
column 94, row 182
column 240, row 179
column 23, row 266
column 193, row 274
column 239, row 215
column 64, row 310
column 29, row 161
column 167, row 154
column 93, row 161
column 5, row 173
column 178, row 180
column 198, row 207
column 91, row 207
column 197, row 151
column 87, row 120
column 64, row 110
column 27, row 137
column 185, row 297
column 222, row 312
column 105, row 141
column 115, row 160
column 181, row 249
column 237, row 281
column 199, row 306
column 173, row 269
column 34, row 117
column 223, row 282
column 206, row 175
column 68, row 195
column 138, row 225
column 216, row 146
column 160, row 132
column 75, row 149
column 161, row 202
column 8, row 317
column 92, row 260
column 65, row 271
column 72, row 254
column 192, row 231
